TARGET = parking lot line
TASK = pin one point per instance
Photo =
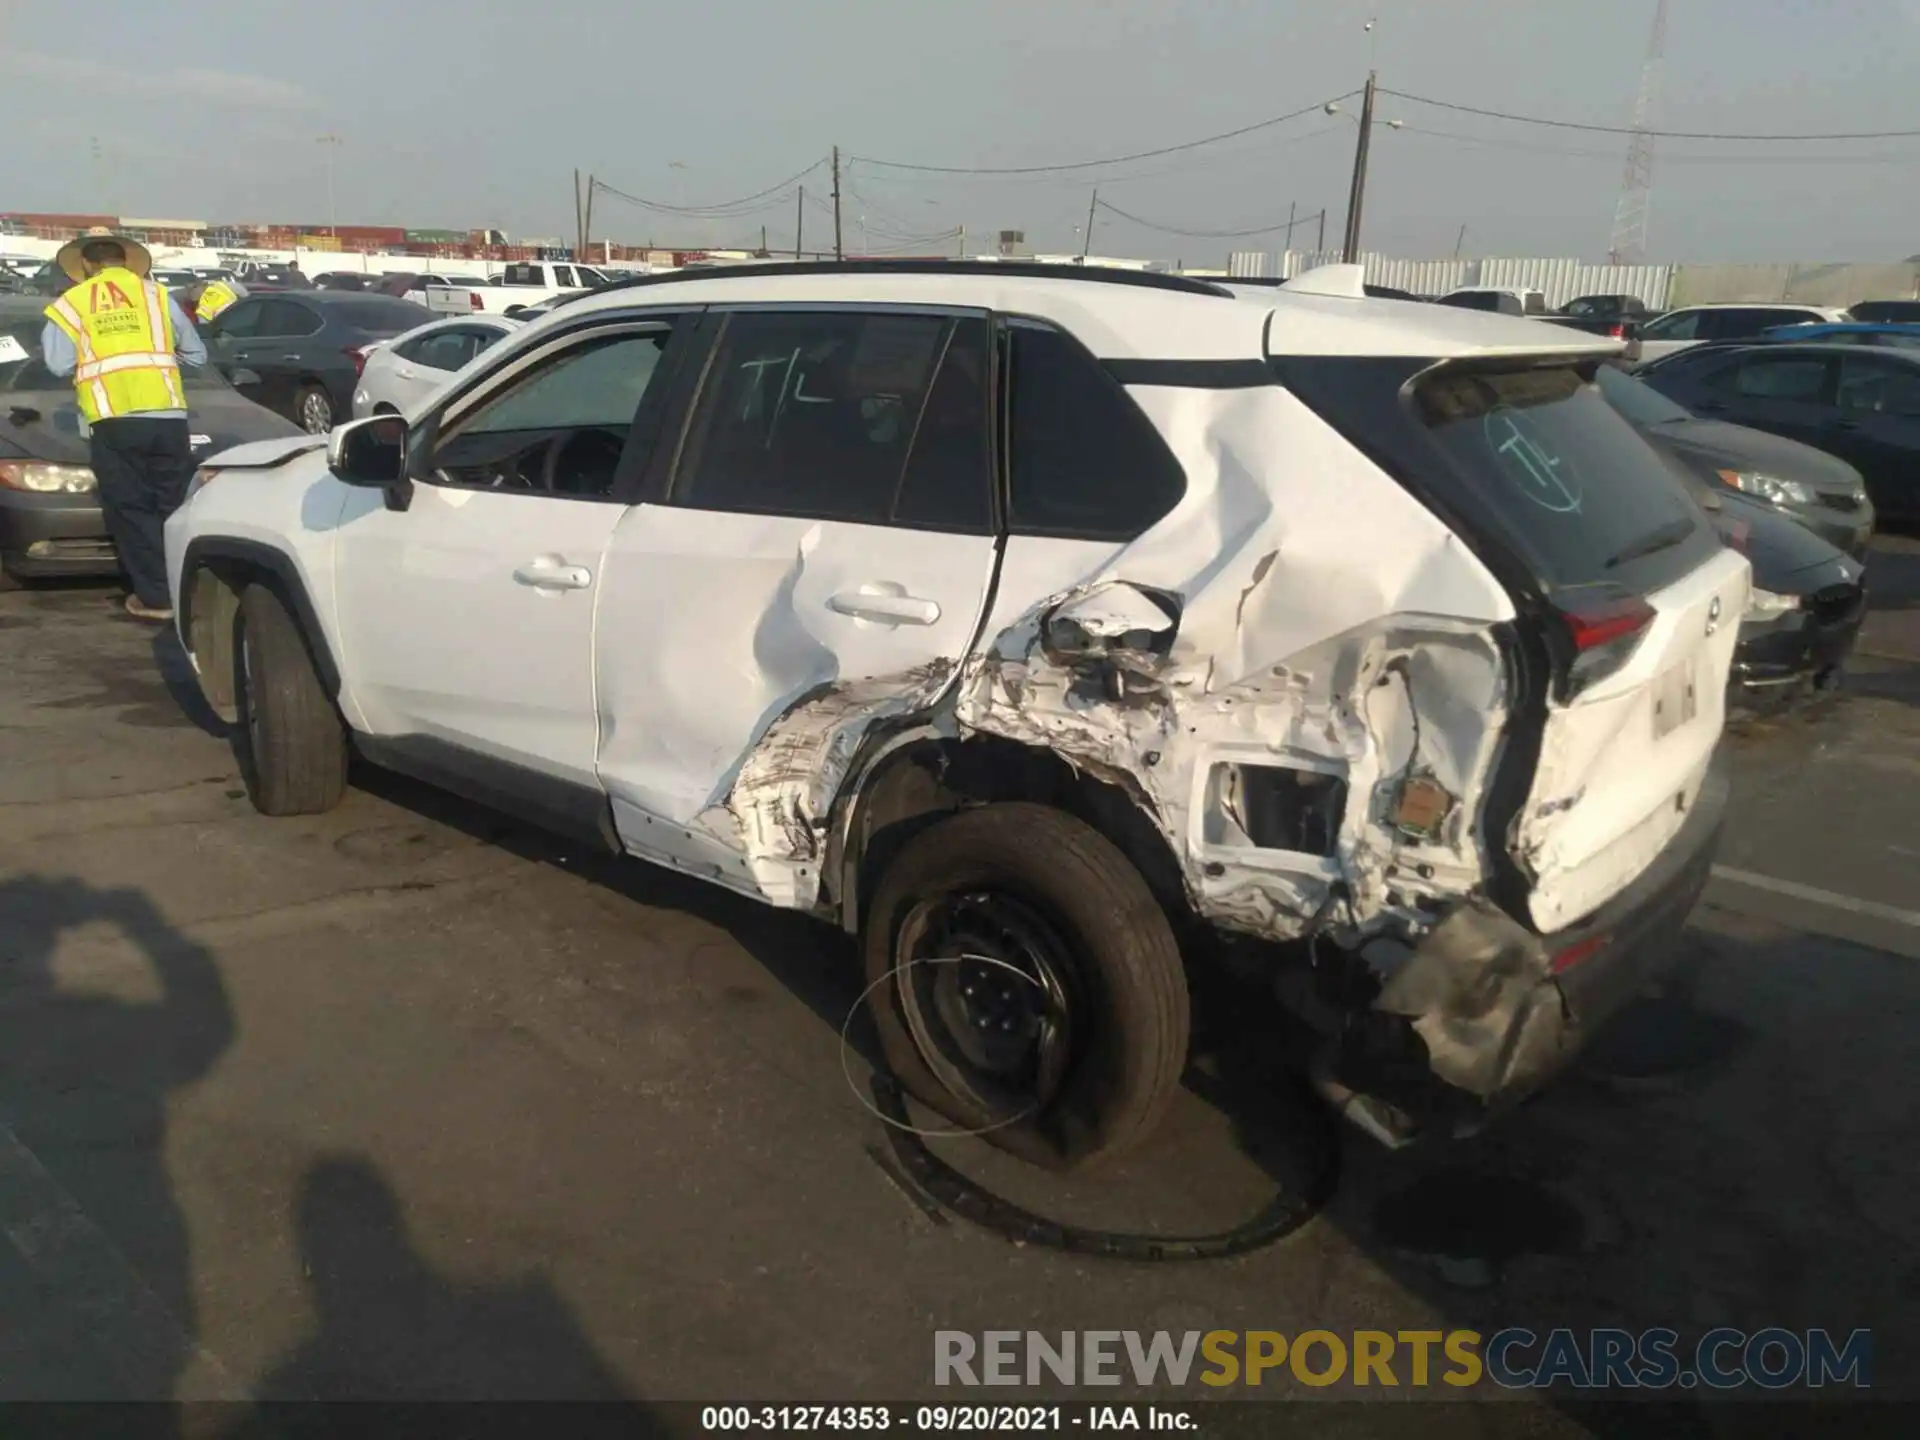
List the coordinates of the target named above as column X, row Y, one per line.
column 1813, row 895
column 84, row 1271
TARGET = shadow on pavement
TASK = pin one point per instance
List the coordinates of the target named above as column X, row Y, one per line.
column 85, row 1081
column 392, row 1330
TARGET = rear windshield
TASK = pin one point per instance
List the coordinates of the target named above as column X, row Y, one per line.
column 1883, row 310
column 1530, row 459
column 381, row 314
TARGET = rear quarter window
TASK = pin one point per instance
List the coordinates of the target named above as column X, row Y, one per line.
column 1529, row 459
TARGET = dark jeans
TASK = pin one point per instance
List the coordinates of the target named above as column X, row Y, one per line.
column 144, row 467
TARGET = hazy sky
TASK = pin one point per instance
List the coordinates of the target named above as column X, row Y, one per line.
column 471, row 113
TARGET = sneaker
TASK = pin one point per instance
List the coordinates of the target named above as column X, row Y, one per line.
column 139, row 609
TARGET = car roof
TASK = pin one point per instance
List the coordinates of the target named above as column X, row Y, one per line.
column 1851, row 327
column 1142, row 318
column 1790, row 347
column 1760, row 305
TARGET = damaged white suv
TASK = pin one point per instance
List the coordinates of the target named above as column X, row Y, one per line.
column 1040, row 626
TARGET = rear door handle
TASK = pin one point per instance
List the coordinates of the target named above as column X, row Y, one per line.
column 550, row 572
column 894, row 609
column 1843, row 424
column 291, row 359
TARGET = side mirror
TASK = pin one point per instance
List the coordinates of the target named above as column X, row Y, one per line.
column 373, row 453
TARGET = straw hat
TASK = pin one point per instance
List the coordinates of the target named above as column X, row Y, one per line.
column 139, row 258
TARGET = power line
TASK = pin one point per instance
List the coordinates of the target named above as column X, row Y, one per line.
column 1111, row 159
column 1197, row 234
column 1904, row 157
column 726, row 209
column 1661, row 134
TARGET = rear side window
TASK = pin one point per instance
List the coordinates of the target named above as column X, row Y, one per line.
column 869, row 417
column 1874, row 386
column 1532, row 459
column 1084, row 460
column 1681, row 325
column 1781, row 377
column 1885, row 310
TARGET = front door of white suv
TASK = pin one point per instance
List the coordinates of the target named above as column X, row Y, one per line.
column 466, row 620
column 828, row 530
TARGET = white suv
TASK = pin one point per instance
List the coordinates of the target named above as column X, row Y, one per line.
column 1044, row 628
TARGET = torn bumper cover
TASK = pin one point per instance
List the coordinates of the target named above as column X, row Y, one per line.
column 1492, row 1011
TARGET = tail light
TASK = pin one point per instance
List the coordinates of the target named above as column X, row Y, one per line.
column 358, row 354
column 473, row 300
column 1619, row 330
column 1604, row 631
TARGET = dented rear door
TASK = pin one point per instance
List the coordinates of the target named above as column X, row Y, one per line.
column 819, row 562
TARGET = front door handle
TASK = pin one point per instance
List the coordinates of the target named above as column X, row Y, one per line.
column 550, row 572
column 1843, row 424
column 878, row 605
column 291, row 359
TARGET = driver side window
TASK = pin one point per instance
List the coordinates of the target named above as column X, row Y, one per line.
column 560, row 427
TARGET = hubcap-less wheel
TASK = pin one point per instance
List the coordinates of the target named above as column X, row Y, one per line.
column 316, row 413
column 984, row 988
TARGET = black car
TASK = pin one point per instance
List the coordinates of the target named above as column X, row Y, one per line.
column 1904, row 312
column 1859, row 404
column 1810, row 486
column 300, row 353
column 344, row 280
column 258, row 276
column 1606, row 307
column 50, row 523
column 1809, row 597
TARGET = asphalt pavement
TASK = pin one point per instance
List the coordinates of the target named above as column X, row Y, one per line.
column 409, row 1101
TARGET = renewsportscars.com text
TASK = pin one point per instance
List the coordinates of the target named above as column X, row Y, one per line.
column 1514, row 1358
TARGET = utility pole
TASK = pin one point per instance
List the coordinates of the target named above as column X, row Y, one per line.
column 1320, row 245
column 1291, row 204
column 963, row 240
column 586, row 220
column 1357, row 193
column 799, row 219
column 838, row 252
column 1086, row 240
column 332, row 142
column 1459, row 240
column 763, row 241
column 579, row 220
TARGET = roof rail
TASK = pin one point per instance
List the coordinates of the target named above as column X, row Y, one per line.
column 1028, row 269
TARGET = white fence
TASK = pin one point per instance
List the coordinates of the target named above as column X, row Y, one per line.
column 1559, row 280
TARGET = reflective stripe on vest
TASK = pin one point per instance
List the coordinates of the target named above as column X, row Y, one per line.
column 122, row 334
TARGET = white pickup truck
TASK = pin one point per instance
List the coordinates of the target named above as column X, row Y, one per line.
column 532, row 282
column 442, row 294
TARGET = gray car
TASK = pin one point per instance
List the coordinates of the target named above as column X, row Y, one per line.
column 1822, row 492
column 50, row 520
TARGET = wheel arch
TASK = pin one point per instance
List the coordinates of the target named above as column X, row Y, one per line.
column 916, row 777
column 213, row 572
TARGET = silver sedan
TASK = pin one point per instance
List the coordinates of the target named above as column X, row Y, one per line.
column 401, row 372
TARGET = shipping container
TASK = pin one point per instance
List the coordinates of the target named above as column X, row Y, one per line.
column 432, row 236
column 318, row 242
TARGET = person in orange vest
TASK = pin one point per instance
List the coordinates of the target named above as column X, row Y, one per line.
column 122, row 338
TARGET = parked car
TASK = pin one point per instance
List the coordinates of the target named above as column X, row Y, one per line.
column 1902, row 311
column 300, row 353
column 402, row 372
column 1862, row 405
column 1035, row 623
column 442, row 294
column 259, row 276
column 531, row 282
column 1824, row 494
column 1693, row 324
column 176, row 279
column 1606, row 308
column 1501, row 299
column 50, row 522
column 1809, row 597
column 1893, row 336
column 345, row 280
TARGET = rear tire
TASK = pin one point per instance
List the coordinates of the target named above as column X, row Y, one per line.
column 10, row 582
column 313, row 409
column 1044, row 896
column 290, row 740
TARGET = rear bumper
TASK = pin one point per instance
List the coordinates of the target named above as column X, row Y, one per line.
column 1486, row 1012
column 47, row 536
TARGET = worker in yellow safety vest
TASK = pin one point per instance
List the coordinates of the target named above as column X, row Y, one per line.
column 213, row 297
column 123, row 338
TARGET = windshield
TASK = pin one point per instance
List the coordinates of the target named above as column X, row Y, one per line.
column 22, row 368
column 589, row 275
column 1639, row 402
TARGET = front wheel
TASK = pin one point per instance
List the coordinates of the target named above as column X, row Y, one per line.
column 1026, row 984
column 313, row 409
column 291, row 741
